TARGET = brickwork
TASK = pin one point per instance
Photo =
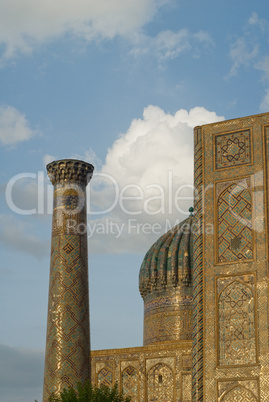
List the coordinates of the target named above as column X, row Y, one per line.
column 165, row 285
column 157, row 372
column 235, row 261
column 205, row 290
column 68, row 335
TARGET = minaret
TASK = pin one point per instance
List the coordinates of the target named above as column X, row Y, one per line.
column 68, row 329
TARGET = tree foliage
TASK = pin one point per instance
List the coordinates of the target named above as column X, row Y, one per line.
column 88, row 393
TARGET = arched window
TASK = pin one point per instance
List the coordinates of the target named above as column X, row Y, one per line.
column 236, row 325
column 130, row 383
column 239, row 394
column 234, row 224
column 105, row 377
column 160, row 384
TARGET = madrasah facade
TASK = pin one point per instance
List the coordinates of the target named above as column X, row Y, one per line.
column 205, row 293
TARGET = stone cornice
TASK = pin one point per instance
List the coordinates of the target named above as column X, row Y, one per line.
column 70, row 171
column 162, row 346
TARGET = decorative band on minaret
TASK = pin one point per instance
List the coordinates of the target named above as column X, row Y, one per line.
column 68, row 328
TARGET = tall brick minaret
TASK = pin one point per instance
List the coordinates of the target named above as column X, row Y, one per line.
column 68, row 329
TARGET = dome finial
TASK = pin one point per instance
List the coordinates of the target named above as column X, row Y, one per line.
column 191, row 211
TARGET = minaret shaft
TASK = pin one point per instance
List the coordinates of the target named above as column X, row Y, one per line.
column 68, row 330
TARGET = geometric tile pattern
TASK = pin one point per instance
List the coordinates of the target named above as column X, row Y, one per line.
column 234, row 221
column 68, row 333
column 67, row 346
column 105, row 377
column 186, row 388
column 232, row 149
column 248, row 180
column 239, row 394
column 69, row 200
column 68, row 248
column 236, row 316
column 238, row 390
column 186, row 362
column 130, row 368
column 160, row 383
column 198, row 272
column 168, row 317
column 130, row 383
column 227, row 332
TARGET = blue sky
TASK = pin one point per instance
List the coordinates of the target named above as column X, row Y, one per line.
column 120, row 84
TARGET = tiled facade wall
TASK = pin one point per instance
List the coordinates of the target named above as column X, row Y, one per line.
column 235, row 260
column 152, row 373
column 228, row 359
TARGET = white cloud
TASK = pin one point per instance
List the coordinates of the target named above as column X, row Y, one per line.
column 134, row 197
column 14, row 126
column 263, row 65
column 264, row 106
column 253, row 19
column 256, row 21
column 167, row 45
column 90, row 157
column 48, row 158
column 25, row 24
column 152, row 164
column 14, row 235
column 29, row 194
column 248, row 50
column 241, row 54
column 204, row 37
column 154, row 144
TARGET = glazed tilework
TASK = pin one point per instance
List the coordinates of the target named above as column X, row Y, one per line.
column 168, row 262
column 228, row 328
column 186, row 361
column 152, row 362
column 68, row 336
column 234, row 220
column 105, row 377
column 208, row 285
column 160, row 383
column 186, row 387
column 149, row 373
column 232, row 149
column 70, row 171
column 236, row 317
column 165, row 285
column 198, row 271
column 70, row 218
column 168, row 317
column 130, row 383
column 238, row 390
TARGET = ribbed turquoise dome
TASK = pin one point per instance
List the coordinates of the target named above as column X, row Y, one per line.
column 168, row 263
column 165, row 285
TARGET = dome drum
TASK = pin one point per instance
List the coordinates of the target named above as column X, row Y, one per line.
column 168, row 316
column 165, row 286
